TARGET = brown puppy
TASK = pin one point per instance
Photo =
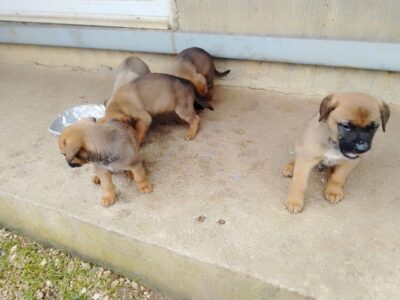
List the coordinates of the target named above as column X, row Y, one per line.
column 337, row 137
column 110, row 147
column 129, row 69
column 155, row 94
column 197, row 65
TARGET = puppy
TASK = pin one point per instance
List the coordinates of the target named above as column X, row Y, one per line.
column 129, row 69
column 154, row 94
column 110, row 147
column 197, row 65
column 337, row 137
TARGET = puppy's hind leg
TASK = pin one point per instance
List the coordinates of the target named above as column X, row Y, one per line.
column 142, row 182
column 142, row 125
column 194, row 126
column 189, row 115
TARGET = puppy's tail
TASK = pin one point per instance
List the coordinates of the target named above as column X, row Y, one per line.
column 201, row 104
column 221, row 74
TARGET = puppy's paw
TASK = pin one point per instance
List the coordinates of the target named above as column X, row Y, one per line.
column 189, row 137
column 145, row 187
column 108, row 200
column 96, row 179
column 130, row 175
column 294, row 206
column 288, row 170
column 334, row 194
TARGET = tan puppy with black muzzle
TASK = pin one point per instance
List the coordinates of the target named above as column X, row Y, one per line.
column 111, row 147
column 337, row 137
column 197, row 65
column 155, row 94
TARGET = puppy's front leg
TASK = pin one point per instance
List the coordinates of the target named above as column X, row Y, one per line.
column 334, row 189
column 142, row 182
column 295, row 198
column 194, row 126
column 110, row 195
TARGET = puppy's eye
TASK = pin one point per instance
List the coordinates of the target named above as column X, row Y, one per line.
column 373, row 127
column 344, row 126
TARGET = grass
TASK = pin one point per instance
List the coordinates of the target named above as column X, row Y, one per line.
column 29, row 270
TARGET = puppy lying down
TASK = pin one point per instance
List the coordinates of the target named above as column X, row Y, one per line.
column 111, row 147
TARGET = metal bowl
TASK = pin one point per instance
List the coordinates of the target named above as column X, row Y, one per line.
column 74, row 114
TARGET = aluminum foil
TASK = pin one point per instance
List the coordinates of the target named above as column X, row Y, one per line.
column 75, row 114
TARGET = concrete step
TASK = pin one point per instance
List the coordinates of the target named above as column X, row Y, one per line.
column 230, row 172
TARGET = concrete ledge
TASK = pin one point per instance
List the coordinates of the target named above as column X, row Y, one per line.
column 231, row 171
column 162, row 269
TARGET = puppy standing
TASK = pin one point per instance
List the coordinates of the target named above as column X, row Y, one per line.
column 341, row 133
column 110, row 146
column 197, row 65
column 155, row 94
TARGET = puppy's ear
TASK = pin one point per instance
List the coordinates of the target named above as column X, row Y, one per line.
column 84, row 155
column 385, row 114
column 71, row 149
column 61, row 144
column 326, row 107
column 201, row 85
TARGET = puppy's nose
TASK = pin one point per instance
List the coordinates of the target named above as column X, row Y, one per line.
column 73, row 165
column 362, row 146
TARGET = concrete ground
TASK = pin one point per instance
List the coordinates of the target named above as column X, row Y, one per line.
column 230, row 172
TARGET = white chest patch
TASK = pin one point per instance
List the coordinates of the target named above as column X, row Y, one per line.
column 332, row 156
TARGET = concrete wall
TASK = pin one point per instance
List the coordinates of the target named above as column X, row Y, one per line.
column 336, row 19
column 340, row 19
